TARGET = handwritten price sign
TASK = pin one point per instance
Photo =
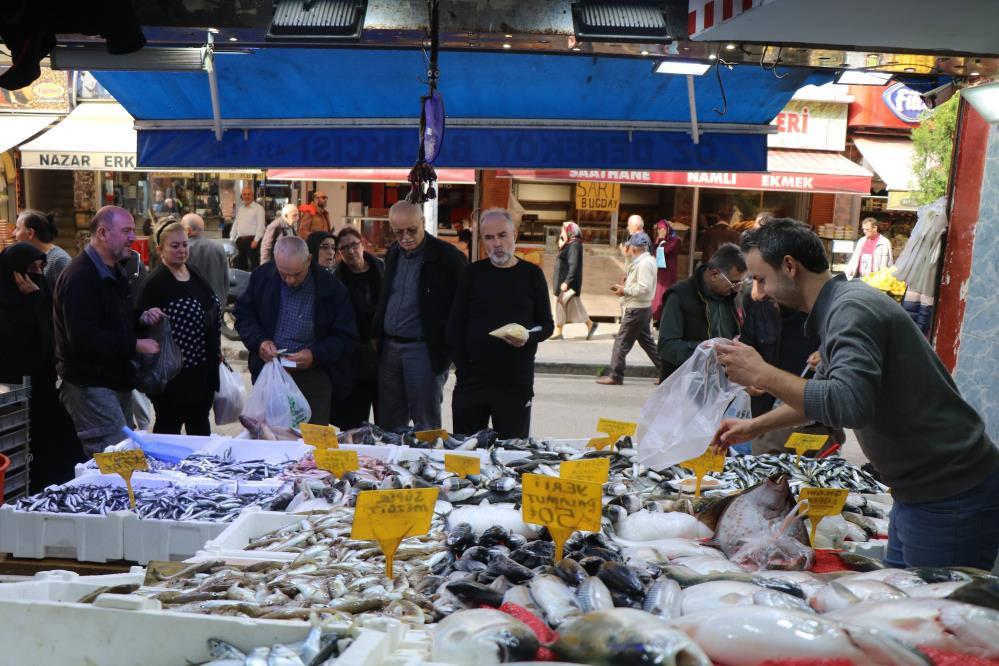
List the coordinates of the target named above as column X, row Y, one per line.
column 430, row 436
column 123, row 463
column 336, row 461
column 389, row 516
column 823, row 502
column 561, row 505
column 801, row 442
column 462, row 465
column 702, row 464
column 594, row 470
column 615, row 430
column 321, row 437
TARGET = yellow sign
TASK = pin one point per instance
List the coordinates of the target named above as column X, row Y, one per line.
column 430, row 435
column 336, row 461
column 123, row 463
column 561, row 505
column 902, row 200
column 461, row 465
column 598, row 196
column 321, row 437
column 802, row 442
column 822, row 502
column 702, row 464
column 615, row 429
column 594, row 470
column 389, row 516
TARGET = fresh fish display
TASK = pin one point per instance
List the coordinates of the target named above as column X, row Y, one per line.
column 625, row 635
column 164, row 503
column 258, row 429
column 832, row 472
column 483, row 637
column 222, row 467
column 321, row 647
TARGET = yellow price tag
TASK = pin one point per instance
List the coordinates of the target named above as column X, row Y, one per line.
column 594, row 470
column 702, row 464
column 389, row 516
column 561, row 505
column 430, row 435
column 336, row 461
column 462, row 465
column 321, row 437
column 822, row 502
column 615, row 431
column 123, row 463
column 802, row 442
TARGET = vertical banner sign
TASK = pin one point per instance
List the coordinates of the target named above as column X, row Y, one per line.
column 321, row 437
column 615, row 431
column 389, row 516
column 702, row 464
column 598, row 196
column 462, row 465
column 336, row 461
column 594, row 470
column 123, row 463
column 801, row 442
column 561, row 505
column 822, row 502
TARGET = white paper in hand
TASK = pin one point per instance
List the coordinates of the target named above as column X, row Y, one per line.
column 515, row 331
column 682, row 415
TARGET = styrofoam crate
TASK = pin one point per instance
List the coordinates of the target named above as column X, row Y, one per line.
column 256, row 449
column 37, row 535
column 59, row 585
column 251, row 525
column 40, row 632
column 388, row 642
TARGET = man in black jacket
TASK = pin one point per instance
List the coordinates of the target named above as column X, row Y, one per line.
column 294, row 305
column 95, row 332
column 421, row 273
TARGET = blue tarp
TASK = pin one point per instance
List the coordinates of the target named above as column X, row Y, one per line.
column 285, row 84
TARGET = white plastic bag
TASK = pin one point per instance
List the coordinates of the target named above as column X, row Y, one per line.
column 276, row 399
column 142, row 410
column 231, row 396
column 682, row 415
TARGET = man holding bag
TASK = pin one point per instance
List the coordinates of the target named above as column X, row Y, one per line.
column 294, row 311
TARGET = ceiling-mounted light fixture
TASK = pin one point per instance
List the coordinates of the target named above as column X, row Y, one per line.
column 860, row 77
column 95, row 58
column 985, row 99
column 687, row 67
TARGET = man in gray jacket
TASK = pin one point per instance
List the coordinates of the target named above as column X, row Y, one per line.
column 878, row 376
column 207, row 257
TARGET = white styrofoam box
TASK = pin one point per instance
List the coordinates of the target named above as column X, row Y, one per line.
column 40, row 632
column 388, row 642
column 258, row 449
column 84, row 538
column 58, row 585
column 251, row 525
column 147, row 480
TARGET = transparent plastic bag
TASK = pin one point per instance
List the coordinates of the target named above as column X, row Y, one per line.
column 231, row 396
column 276, row 399
column 156, row 370
column 142, row 411
column 778, row 549
column 682, row 415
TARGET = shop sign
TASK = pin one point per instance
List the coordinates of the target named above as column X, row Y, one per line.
column 96, row 161
column 810, row 125
column 902, row 200
column 904, row 102
column 49, row 92
column 598, row 196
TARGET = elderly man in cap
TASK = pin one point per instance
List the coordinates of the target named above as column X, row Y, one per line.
column 636, row 300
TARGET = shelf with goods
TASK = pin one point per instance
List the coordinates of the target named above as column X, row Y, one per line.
column 14, row 437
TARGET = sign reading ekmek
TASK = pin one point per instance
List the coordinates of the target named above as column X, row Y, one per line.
column 31, row 159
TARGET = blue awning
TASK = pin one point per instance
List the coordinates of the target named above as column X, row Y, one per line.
column 284, row 107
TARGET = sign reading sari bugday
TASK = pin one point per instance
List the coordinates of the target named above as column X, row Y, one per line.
column 598, row 196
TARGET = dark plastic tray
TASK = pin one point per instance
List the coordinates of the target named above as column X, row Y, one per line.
column 13, row 416
column 16, row 439
column 14, row 393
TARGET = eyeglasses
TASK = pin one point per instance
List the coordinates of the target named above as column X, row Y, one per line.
column 350, row 247
column 327, row 246
column 410, row 231
column 734, row 285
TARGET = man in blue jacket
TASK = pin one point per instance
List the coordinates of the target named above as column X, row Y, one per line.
column 294, row 306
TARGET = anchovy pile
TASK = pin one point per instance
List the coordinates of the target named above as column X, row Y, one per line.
column 223, row 467
column 832, row 472
column 167, row 503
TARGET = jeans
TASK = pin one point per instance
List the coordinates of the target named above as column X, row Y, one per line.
column 958, row 531
column 408, row 388
column 634, row 328
column 98, row 414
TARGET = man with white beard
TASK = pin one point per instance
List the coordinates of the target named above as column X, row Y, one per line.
column 495, row 376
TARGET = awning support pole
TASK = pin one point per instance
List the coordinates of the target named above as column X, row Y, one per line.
column 695, row 133
column 213, row 87
column 695, row 212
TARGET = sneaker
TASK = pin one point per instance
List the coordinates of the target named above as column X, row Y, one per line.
column 607, row 380
column 592, row 331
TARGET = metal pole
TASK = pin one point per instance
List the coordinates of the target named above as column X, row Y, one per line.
column 695, row 133
column 613, row 228
column 695, row 212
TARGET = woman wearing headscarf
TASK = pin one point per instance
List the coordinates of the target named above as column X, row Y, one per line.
column 322, row 247
column 40, row 230
column 569, row 282
column 195, row 319
column 27, row 348
column 667, row 254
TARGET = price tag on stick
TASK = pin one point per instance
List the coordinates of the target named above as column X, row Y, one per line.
column 321, row 437
column 123, row 463
column 389, row 516
column 462, row 465
column 430, row 436
column 702, row 464
column 336, row 461
column 615, row 431
column 822, row 502
column 802, row 442
column 594, row 470
column 561, row 505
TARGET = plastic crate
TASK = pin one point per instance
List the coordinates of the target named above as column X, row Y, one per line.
column 13, row 416
column 11, row 394
column 15, row 439
column 15, row 485
column 18, row 459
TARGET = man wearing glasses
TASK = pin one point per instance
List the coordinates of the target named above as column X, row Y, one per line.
column 421, row 273
column 319, row 220
column 701, row 307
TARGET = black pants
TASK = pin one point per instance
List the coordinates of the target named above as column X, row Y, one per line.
column 317, row 388
column 508, row 406
column 247, row 258
column 357, row 408
column 171, row 417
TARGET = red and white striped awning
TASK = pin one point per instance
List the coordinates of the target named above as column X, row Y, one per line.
column 705, row 14
column 789, row 171
column 450, row 176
